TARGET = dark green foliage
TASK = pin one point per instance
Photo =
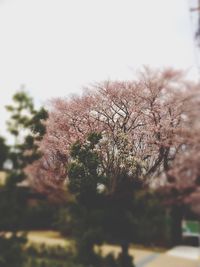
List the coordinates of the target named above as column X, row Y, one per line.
column 110, row 261
column 26, row 126
column 11, row 251
column 125, row 260
column 35, row 262
column 64, row 221
column 50, row 252
column 86, row 212
column 150, row 222
column 177, row 213
column 36, row 125
column 17, row 215
column 12, row 209
column 55, row 256
column 97, row 217
column 20, row 111
column 119, row 215
column 40, row 216
column 83, row 171
column 3, row 152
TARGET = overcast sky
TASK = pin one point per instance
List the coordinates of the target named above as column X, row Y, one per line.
column 54, row 47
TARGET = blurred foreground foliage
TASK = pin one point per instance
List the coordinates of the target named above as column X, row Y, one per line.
column 11, row 251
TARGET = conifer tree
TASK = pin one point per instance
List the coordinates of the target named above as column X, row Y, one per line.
column 26, row 127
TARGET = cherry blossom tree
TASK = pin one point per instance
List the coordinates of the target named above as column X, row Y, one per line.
column 145, row 128
column 139, row 121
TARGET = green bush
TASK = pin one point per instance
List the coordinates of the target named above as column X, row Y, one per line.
column 151, row 223
column 43, row 255
column 11, row 251
column 50, row 252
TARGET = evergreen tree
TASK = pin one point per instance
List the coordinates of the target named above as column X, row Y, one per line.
column 86, row 212
column 26, row 126
column 3, row 152
column 98, row 216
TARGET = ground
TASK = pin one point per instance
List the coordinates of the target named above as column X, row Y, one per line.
column 178, row 257
column 51, row 238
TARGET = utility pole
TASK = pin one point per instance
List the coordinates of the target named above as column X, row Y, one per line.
column 197, row 33
column 195, row 16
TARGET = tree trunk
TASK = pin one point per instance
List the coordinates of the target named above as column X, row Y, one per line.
column 125, row 247
column 125, row 260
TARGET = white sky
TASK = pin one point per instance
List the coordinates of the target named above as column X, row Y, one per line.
column 54, row 47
